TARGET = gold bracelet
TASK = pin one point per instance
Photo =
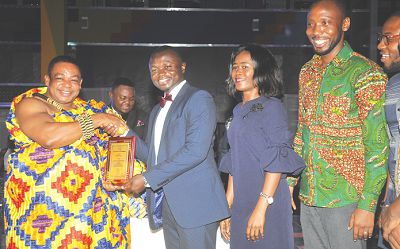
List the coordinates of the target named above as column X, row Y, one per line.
column 86, row 123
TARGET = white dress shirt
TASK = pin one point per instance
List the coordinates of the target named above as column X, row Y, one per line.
column 159, row 124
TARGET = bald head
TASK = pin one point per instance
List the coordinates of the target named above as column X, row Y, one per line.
column 333, row 5
column 394, row 20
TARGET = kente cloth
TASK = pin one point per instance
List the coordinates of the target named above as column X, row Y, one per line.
column 137, row 204
column 155, row 200
column 341, row 131
column 54, row 198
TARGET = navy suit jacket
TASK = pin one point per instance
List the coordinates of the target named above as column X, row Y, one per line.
column 186, row 169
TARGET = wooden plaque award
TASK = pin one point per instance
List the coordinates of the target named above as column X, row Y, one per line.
column 120, row 159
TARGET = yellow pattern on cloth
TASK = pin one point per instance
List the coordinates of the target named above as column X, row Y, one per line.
column 137, row 204
column 54, row 198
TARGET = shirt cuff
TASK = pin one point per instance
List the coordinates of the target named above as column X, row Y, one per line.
column 146, row 184
column 292, row 181
column 368, row 203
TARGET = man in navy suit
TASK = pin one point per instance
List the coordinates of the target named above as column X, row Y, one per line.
column 180, row 159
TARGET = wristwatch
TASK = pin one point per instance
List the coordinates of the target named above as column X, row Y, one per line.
column 268, row 199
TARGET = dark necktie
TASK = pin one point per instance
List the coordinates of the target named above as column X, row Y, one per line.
column 163, row 100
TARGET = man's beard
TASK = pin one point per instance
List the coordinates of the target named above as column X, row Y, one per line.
column 395, row 66
column 331, row 46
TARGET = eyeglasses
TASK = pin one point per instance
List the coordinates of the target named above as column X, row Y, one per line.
column 386, row 38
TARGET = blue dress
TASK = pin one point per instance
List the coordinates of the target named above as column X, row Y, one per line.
column 260, row 142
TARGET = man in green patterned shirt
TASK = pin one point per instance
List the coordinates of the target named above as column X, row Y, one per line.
column 341, row 135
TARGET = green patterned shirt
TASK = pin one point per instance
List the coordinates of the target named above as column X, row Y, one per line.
column 342, row 131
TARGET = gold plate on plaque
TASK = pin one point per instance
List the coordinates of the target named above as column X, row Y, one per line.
column 120, row 159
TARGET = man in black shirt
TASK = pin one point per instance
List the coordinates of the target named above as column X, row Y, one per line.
column 122, row 95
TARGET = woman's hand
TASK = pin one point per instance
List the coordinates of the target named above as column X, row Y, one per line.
column 225, row 227
column 291, row 189
column 255, row 225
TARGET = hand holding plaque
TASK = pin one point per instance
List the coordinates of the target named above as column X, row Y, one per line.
column 136, row 185
column 120, row 160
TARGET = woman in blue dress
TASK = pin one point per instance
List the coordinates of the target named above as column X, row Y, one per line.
column 260, row 156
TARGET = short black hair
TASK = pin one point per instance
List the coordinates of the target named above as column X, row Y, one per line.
column 342, row 5
column 62, row 58
column 266, row 71
column 122, row 81
column 166, row 48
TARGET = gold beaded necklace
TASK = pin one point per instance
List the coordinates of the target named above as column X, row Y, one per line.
column 50, row 101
